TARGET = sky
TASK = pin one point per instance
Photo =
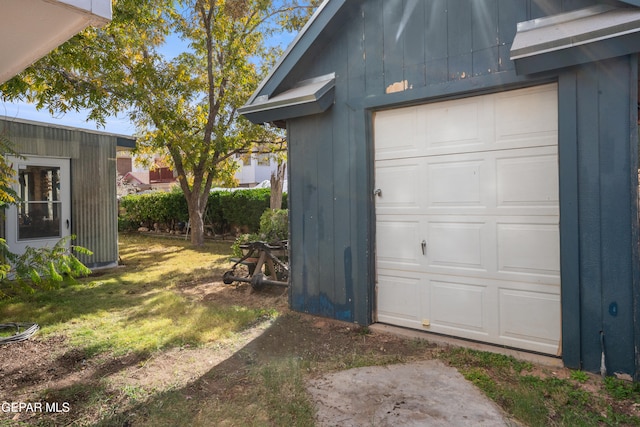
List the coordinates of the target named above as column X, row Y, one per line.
column 119, row 124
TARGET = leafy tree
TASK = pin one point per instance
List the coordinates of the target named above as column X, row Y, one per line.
column 185, row 104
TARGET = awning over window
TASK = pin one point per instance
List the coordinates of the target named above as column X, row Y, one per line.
column 307, row 97
column 577, row 37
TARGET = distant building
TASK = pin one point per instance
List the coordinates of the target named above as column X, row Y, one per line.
column 255, row 168
column 159, row 177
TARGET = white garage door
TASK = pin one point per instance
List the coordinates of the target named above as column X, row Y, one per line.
column 467, row 235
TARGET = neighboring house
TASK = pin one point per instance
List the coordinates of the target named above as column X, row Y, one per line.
column 67, row 185
column 159, row 177
column 255, row 168
column 467, row 168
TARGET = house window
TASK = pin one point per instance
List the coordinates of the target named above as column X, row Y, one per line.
column 39, row 209
column 264, row 160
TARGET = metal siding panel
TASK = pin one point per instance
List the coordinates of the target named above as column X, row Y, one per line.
column 94, row 200
column 93, row 176
column 569, row 220
column 617, row 304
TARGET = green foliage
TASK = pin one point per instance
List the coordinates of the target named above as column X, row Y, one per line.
column 620, row 389
column 147, row 209
column 274, row 228
column 44, row 268
column 7, row 194
column 274, row 225
column 244, row 207
column 225, row 210
column 580, row 376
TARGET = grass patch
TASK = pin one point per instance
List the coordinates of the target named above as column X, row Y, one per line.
column 136, row 308
column 542, row 401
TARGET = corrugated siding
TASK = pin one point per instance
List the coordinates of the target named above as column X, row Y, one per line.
column 93, row 175
column 94, row 203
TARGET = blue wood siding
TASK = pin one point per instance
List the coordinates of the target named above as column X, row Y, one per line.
column 605, row 210
column 443, row 49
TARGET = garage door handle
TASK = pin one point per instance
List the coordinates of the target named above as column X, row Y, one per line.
column 424, row 247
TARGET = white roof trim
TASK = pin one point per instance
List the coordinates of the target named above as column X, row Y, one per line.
column 288, row 50
column 572, row 29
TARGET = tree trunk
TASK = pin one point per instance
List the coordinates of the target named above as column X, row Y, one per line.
column 196, row 219
column 277, row 181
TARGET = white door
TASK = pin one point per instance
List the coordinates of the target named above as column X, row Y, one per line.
column 43, row 215
column 467, row 218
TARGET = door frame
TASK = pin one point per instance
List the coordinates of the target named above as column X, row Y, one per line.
column 17, row 245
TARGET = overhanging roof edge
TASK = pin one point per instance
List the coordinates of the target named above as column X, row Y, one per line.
column 573, row 29
column 328, row 8
column 307, row 97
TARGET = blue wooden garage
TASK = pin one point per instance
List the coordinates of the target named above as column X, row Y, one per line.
column 467, row 169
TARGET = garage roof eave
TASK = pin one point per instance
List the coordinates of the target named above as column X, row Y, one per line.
column 573, row 31
column 306, row 98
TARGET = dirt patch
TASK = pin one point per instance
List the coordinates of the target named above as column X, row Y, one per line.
column 50, row 370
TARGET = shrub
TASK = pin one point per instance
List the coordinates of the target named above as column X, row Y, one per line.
column 274, row 228
column 44, row 268
column 226, row 210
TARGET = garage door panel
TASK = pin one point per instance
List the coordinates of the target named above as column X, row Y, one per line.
column 399, row 298
column 455, row 182
column 396, row 134
column 470, row 304
column 456, row 245
column 530, row 320
column 441, row 125
column 402, row 242
column 400, row 185
column 529, row 249
column 538, row 125
column 528, row 178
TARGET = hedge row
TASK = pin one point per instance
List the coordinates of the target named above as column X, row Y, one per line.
column 226, row 210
